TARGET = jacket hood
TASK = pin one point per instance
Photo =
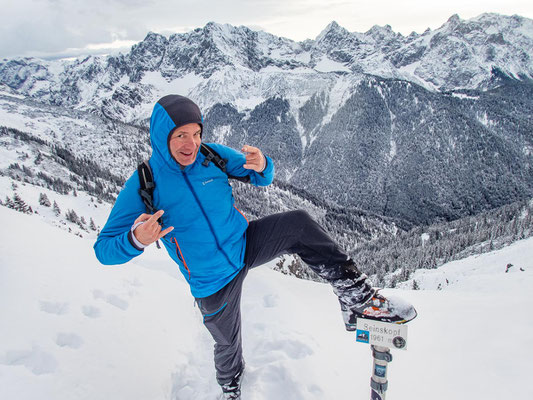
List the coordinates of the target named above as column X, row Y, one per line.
column 169, row 113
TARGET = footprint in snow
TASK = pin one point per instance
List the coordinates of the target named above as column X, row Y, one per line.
column 91, row 311
column 194, row 378
column 286, row 348
column 35, row 360
column 276, row 381
column 69, row 340
column 271, row 300
column 112, row 299
column 56, row 308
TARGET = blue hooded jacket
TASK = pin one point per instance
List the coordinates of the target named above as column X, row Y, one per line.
column 208, row 241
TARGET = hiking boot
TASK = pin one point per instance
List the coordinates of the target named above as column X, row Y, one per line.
column 232, row 390
column 379, row 308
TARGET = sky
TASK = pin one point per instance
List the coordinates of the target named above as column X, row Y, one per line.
column 67, row 28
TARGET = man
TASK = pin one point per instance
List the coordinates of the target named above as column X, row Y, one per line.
column 213, row 243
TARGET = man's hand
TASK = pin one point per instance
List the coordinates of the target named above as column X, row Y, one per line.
column 150, row 230
column 254, row 158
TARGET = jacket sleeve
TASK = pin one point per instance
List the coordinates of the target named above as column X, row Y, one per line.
column 114, row 244
column 236, row 160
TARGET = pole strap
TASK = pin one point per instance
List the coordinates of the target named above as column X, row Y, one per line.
column 381, row 355
column 379, row 387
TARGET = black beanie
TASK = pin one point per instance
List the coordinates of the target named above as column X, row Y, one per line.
column 182, row 110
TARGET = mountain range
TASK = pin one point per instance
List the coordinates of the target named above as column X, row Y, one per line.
column 421, row 128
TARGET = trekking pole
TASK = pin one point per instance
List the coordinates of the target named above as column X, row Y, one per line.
column 382, row 336
column 378, row 382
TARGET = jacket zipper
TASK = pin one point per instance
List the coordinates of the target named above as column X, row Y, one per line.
column 180, row 256
column 240, row 212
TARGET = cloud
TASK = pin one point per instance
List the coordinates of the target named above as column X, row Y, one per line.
column 48, row 26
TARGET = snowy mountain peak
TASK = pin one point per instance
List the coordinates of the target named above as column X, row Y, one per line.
column 336, row 42
column 460, row 55
column 213, row 26
column 383, row 34
column 454, row 20
column 332, row 31
column 377, row 29
column 154, row 38
column 223, row 34
column 149, row 52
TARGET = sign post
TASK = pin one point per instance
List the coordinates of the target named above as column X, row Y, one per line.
column 381, row 336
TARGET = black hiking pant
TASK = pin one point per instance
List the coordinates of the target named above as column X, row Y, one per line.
column 293, row 232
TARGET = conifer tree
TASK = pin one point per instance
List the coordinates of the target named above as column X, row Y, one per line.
column 39, row 158
column 57, row 210
column 9, row 203
column 27, row 171
column 19, row 204
column 72, row 216
column 43, row 200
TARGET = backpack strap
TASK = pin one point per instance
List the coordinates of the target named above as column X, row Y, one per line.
column 146, row 180
column 212, row 156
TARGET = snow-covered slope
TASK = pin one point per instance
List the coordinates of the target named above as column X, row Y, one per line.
column 73, row 329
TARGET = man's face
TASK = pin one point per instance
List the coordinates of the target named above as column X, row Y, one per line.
column 185, row 142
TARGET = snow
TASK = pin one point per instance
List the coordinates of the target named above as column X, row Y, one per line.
column 525, row 29
column 40, row 122
column 8, row 93
column 272, row 69
column 182, row 85
column 464, row 96
column 424, row 238
column 393, row 149
column 474, row 272
column 220, row 132
column 82, row 133
column 326, row 64
column 303, row 57
column 341, row 90
column 81, row 204
column 410, row 69
column 245, row 89
column 73, row 329
column 484, row 119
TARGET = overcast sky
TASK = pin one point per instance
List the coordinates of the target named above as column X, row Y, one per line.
column 60, row 28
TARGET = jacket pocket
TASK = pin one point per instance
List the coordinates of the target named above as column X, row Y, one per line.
column 218, row 323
